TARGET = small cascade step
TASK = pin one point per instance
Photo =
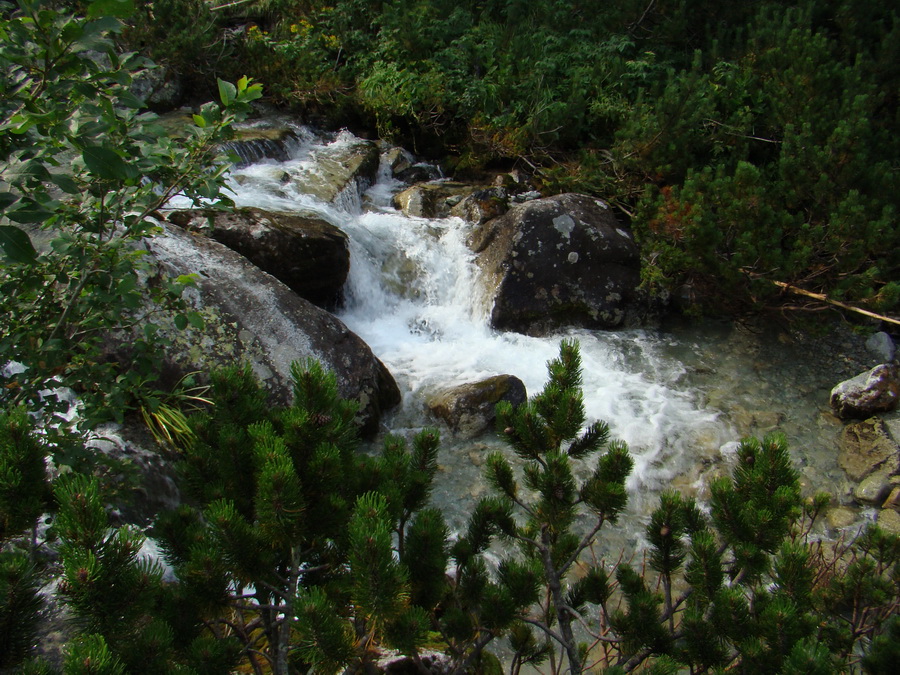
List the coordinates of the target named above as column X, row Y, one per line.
column 254, row 150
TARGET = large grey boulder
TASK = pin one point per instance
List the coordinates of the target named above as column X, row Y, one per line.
column 469, row 408
column 882, row 345
column 252, row 317
column 877, row 390
column 563, row 260
column 161, row 88
column 309, row 255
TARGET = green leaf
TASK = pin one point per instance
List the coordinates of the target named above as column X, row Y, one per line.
column 65, row 183
column 105, row 163
column 129, row 100
column 16, row 244
column 28, row 212
column 7, row 199
column 19, row 124
column 200, row 121
column 121, row 9
column 227, row 92
column 195, row 320
column 181, row 321
column 25, row 172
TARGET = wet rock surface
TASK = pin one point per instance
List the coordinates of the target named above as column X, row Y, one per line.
column 865, row 447
column 563, row 260
column 432, row 200
column 482, row 205
column 251, row 316
column 258, row 143
column 349, row 163
column 469, row 408
column 875, row 391
column 309, row 255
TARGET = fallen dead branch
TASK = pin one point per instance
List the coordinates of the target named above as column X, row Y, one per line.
column 843, row 305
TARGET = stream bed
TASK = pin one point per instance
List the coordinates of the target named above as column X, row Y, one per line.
column 681, row 395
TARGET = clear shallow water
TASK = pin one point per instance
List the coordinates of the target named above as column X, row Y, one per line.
column 680, row 396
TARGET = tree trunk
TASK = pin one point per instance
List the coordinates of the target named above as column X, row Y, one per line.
column 284, row 631
column 554, row 583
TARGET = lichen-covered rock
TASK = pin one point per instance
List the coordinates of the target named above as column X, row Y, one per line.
column 892, row 501
column 875, row 391
column 563, row 260
column 840, row 517
column 252, row 317
column 469, row 408
column 865, row 447
column 309, row 255
column 348, row 163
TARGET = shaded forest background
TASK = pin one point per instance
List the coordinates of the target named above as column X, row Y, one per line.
column 749, row 142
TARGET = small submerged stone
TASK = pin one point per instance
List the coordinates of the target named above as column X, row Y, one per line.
column 840, row 517
column 889, row 520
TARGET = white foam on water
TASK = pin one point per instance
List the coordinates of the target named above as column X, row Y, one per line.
column 413, row 295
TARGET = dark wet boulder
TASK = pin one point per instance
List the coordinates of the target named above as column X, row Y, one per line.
column 309, row 255
column 403, row 166
column 875, row 391
column 469, row 408
column 249, row 316
column 563, row 260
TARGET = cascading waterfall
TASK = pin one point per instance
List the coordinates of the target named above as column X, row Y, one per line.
column 413, row 296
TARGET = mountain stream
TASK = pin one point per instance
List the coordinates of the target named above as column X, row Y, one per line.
column 680, row 395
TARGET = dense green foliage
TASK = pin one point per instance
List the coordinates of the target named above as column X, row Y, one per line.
column 751, row 142
column 296, row 553
column 82, row 169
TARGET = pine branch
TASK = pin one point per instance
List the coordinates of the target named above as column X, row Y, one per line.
column 544, row 627
column 585, row 542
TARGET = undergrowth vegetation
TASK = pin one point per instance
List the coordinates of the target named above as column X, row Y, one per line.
column 295, row 553
column 751, row 142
